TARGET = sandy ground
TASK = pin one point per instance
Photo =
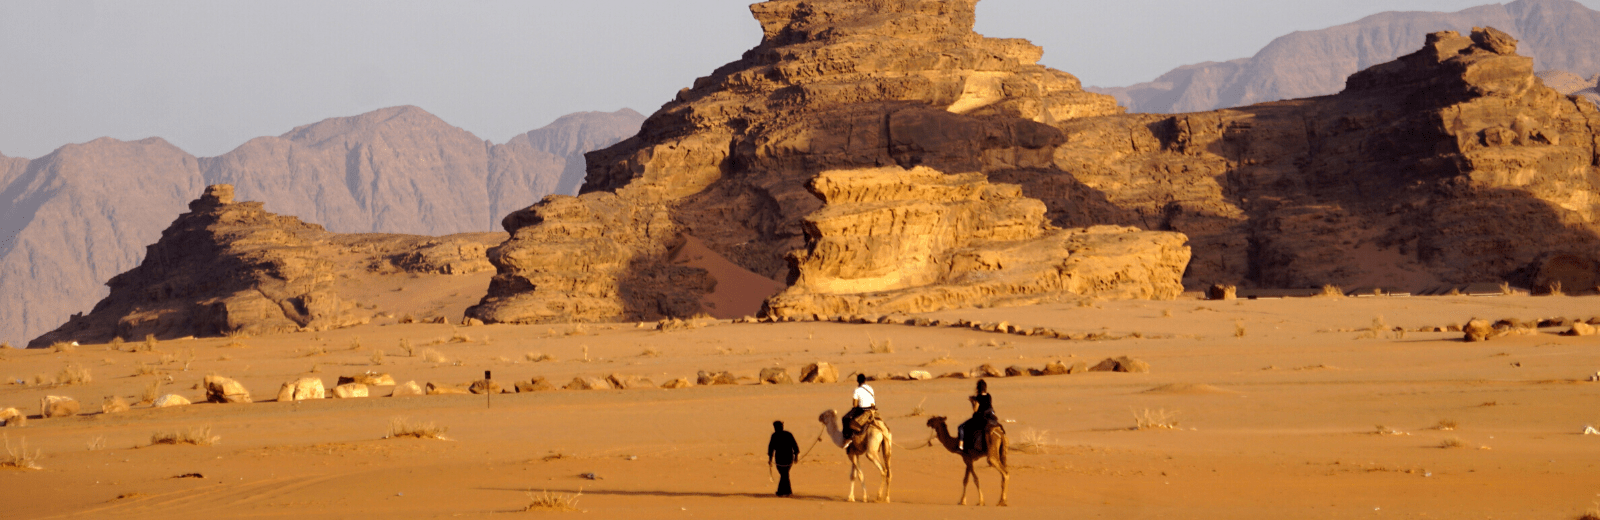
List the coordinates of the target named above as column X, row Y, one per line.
column 1279, row 423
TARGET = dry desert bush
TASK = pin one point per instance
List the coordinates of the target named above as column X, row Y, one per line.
column 193, row 436
column 432, row 356
column 886, row 347
column 73, row 375
column 1031, row 441
column 405, row 346
column 941, row 360
column 19, row 457
column 547, row 501
column 535, row 357
column 152, row 391
column 115, row 343
column 1159, row 419
column 650, row 352
column 98, row 443
column 1446, row 425
column 457, row 337
column 377, row 357
column 1238, row 329
column 149, row 344
column 1452, row 442
column 146, row 370
column 63, row 347
column 400, row 427
column 6, row 345
column 1331, row 291
column 315, row 351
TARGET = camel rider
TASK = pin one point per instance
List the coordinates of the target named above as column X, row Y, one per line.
column 862, row 401
column 971, row 432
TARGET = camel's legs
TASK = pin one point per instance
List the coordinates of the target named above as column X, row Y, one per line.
column 1005, row 482
column 888, row 472
column 965, row 479
column 857, row 475
column 973, row 467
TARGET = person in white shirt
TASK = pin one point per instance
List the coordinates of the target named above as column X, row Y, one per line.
column 862, row 401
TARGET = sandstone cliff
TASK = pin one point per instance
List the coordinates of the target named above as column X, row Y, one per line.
column 75, row 218
column 1451, row 165
column 230, row 266
column 1558, row 34
column 834, row 85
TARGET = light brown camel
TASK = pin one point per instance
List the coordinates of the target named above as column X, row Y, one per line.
column 874, row 443
column 996, row 453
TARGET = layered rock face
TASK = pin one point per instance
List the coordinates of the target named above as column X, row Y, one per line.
column 230, row 266
column 1557, row 34
column 834, row 85
column 891, row 240
column 75, row 218
column 1450, row 165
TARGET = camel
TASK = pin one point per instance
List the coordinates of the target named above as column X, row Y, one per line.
column 874, row 443
column 996, row 454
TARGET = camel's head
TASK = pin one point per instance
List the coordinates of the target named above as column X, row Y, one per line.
column 936, row 422
column 829, row 417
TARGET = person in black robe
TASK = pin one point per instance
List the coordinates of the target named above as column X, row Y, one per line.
column 782, row 451
column 973, row 432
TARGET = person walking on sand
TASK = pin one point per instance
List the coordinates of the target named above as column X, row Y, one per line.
column 782, row 450
column 862, row 401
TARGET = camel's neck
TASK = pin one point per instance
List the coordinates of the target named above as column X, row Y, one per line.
column 950, row 443
column 834, row 433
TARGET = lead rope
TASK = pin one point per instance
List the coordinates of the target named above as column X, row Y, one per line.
column 820, row 432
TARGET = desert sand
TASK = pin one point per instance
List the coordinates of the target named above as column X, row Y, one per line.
column 1282, row 422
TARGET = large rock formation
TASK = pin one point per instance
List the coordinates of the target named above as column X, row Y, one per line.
column 1557, row 34
column 230, row 266
column 834, row 85
column 1453, row 164
column 75, row 218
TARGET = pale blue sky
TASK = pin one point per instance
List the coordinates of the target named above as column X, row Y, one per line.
column 210, row 74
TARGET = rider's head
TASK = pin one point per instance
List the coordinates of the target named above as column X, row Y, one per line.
column 983, row 387
column 777, row 426
column 861, row 379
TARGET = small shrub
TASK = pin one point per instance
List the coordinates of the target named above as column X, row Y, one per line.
column 1554, row 290
column 457, row 337
column 152, row 391
column 1331, row 291
column 316, row 351
column 887, row 347
column 547, row 501
column 62, row 347
column 18, row 457
column 1238, row 329
column 168, row 359
column 98, row 443
column 1031, row 441
column 400, row 427
column 406, row 347
column 501, row 359
column 149, row 344
column 432, row 356
column 1161, row 419
column 355, row 344
column 193, row 437
column 941, row 360
column 1446, row 425
column 43, row 380
column 6, row 345
column 73, row 375
column 577, row 329
column 1452, row 442
column 115, row 343
column 377, row 357
column 650, row 352
column 535, row 357
column 1166, row 313
column 918, row 410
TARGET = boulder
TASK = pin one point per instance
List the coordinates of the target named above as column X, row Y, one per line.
column 1078, row 367
column 1479, row 330
column 1016, row 371
column 11, row 417
column 302, row 389
column 350, row 390
column 445, row 389
column 1122, row 364
column 114, row 404
column 622, row 382
column 1222, row 293
column 57, row 406
column 682, row 382
column 1056, row 368
column 716, row 378
column 588, row 383
column 819, row 372
column 987, row 370
column 368, row 378
column 775, row 376
column 224, row 390
column 484, row 386
column 919, row 375
column 170, row 400
column 410, row 388
column 537, row 384
column 1581, row 329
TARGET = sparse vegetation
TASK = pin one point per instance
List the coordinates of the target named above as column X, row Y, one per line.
column 377, row 357
column 1331, row 291
column 1238, row 329
column 577, row 329
column 918, row 410
column 1554, row 290
column 236, row 339
column 650, row 352
column 886, row 347
column 1159, row 419
column 314, row 351
column 457, row 337
column 941, row 360
column 152, row 391
column 73, row 375
column 1452, row 442
column 535, row 357
column 547, row 501
column 98, row 443
column 62, row 347
column 18, row 457
column 115, row 343
column 149, row 344
column 1031, row 441
column 400, row 427
column 193, row 436
column 6, row 345
column 405, row 346
column 432, row 356
column 1166, row 313
column 355, row 343
column 1446, row 425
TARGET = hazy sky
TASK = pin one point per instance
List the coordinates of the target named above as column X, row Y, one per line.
column 208, row 75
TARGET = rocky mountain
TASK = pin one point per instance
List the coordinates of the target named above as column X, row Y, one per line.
column 1571, row 84
column 871, row 153
column 1557, row 34
column 228, row 266
column 850, row 126
column 75, row 218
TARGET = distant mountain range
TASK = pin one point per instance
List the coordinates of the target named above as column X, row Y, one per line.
column 1557, row 34
column 72, row 219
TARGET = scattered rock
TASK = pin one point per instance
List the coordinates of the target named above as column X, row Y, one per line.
column 1056, row 368
column 10, row 417
column 445, row 389
column 170, row 400
column 350, row 390
column 716, row 378
column 410, row 388
column 224, row 390
column 819, row 372
column 302, row 389
column 1479, row 330
column 1222, row 293
column 484, row 386
column 622, row 382
column 1581, row 329
column 987, row 370
column 775, row 376
column 682, row 382
column 1122, row 364
column 1078, row 368
column 1016, row 371
column 537, row 384
column 114, row 404
column 919, row 375
column 57, row 406
column 368, row 378
column 588, row 383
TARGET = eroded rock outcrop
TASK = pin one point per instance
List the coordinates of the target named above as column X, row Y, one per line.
column 834, row 85
column 230, row 266
column 891, row 240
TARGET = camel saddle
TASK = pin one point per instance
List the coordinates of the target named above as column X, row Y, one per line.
column 858, row 427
